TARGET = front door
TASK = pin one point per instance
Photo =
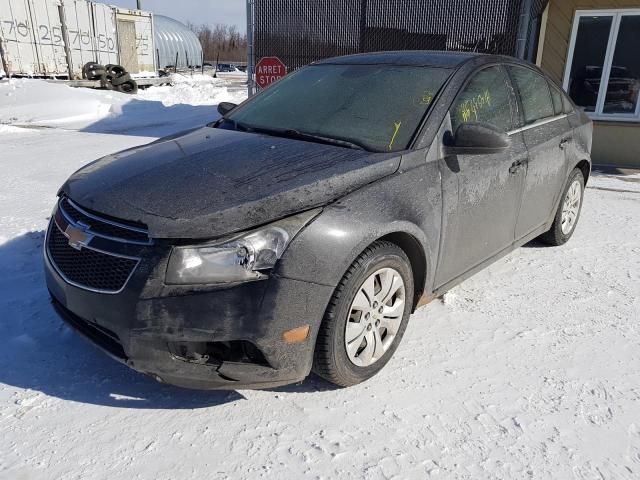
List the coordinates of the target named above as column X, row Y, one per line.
column 546, row 132
column 483, row 191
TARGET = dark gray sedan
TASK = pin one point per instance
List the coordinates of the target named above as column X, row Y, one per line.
column 301, row 230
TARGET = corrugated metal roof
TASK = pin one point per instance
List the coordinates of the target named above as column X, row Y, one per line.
column 173, row 37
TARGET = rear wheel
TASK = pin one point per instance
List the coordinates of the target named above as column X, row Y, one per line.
column 367, row 316
column 568, row 212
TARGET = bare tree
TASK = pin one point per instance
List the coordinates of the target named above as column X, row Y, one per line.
column 221, row 40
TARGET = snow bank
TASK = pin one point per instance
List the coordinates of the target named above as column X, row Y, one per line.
column 39, row 102
column 194, row 90
column 47, row 104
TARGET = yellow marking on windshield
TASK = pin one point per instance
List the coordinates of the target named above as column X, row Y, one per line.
column 395, row 134
column 427, row 98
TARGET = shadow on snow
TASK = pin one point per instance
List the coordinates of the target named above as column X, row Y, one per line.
column 144, row 118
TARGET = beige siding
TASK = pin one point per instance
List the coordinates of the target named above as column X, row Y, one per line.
column 614, row 143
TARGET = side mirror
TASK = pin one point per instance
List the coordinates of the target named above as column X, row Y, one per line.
column 475, row 138
column 226, row 107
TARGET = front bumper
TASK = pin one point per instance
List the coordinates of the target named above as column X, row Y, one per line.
column 138, row 325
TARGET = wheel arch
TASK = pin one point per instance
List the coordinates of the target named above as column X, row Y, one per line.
column 413, row 249
column 585, row 168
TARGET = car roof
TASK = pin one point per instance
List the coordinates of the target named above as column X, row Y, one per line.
column 415, row 58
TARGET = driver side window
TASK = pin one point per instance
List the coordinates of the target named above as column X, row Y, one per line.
column 485, row 99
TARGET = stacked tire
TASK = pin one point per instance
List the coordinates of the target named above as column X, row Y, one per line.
column 111, row 77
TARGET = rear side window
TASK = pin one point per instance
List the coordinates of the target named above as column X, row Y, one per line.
column 485, row 99
column 534, row 94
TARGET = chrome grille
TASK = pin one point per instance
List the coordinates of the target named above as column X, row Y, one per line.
column 101, row 225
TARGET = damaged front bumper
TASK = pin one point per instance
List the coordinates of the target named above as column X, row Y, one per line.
column 201, row 338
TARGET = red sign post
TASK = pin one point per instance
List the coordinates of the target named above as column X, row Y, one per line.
column 269, row 70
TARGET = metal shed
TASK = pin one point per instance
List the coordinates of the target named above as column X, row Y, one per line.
column 175, row 40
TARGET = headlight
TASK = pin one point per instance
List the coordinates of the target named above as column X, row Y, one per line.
column 241, row 258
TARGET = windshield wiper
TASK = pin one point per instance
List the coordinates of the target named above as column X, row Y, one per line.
column 241, row 127
column 291, row 133
column 295, row 134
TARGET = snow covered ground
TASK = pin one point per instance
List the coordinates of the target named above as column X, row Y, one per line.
column 531, row 369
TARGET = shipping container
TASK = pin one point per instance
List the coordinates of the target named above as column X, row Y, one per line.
column 18, row 38
column 34, row 39
column 135, row 38
column 105, row 28
column 49, row 45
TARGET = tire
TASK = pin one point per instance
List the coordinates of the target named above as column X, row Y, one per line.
column 90, row 67
column 121, row 79
column 130, row 87
column 332, row 360
column 560, row 233
column 95, row 74
column 105, row 81
column 115, row 70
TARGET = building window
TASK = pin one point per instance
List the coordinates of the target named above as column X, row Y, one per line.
column 603, row 69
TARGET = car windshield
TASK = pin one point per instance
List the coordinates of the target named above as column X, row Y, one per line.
column 375, row 107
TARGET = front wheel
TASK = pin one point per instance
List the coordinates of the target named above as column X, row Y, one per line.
column 367, row 316
column 568, row 212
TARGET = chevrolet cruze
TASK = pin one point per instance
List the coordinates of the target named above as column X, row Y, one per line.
column 300, row 231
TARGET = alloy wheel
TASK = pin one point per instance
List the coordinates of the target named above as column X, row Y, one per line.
column 571, row 207
column 375, row 317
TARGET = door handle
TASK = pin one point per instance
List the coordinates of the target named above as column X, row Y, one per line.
column 564, row 142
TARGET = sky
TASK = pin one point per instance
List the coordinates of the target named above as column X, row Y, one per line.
column 232, row 12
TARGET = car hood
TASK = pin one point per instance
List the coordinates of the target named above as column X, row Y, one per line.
column 212, row 182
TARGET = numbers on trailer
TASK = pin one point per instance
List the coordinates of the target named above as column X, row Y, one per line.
column 17, row 28
column 48, row 35
column 52, row 35
column 105, row 43
column 142, row 44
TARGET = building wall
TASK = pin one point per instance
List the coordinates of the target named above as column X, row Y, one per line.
column 614, row 143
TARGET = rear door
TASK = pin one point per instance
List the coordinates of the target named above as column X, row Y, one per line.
column 127, row 43
column 483, row 192
column 547, row 133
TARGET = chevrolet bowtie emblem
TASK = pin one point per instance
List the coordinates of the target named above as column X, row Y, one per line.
column 78, row 237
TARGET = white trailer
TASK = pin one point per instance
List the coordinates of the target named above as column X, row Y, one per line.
column 54, row 38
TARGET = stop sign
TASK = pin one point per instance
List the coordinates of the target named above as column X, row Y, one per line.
column 269, row 70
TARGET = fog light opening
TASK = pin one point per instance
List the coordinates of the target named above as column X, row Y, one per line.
column 217, row 353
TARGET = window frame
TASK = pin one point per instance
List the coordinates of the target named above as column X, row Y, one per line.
column 510, row 92
column 522, row 122
column 616, row 15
